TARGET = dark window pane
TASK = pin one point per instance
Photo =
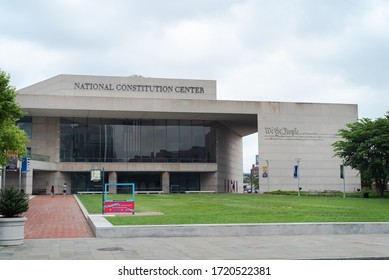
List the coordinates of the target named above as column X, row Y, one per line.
column 119, row 143
column 198, row 141
column 134, row 140
column 95, row 141
column 144, row 181
column 185, row 141
column 147, row 137
column 172, row 137
column 80, row 145
column 25, row 124
column 67, row 137
column 181, row 182
column 160, row 152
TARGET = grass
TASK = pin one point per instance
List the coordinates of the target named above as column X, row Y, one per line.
column 246, row 208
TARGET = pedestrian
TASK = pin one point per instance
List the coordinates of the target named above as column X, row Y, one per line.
column 52, row 191
column 64, row 188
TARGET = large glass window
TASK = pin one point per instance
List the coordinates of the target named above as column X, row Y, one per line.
column 116, row 140
column 144, row 181
column 25, row 124
column 182, row 182
column 81, row 182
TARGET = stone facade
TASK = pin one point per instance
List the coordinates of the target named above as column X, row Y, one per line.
column 286, row 132
column 302, row 134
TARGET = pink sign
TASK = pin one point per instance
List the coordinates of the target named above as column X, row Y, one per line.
column 119, row 206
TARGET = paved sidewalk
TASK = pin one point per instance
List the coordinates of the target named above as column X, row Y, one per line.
column 354, row 246
column 55, row 217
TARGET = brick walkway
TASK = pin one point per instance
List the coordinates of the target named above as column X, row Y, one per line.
column 55, row 217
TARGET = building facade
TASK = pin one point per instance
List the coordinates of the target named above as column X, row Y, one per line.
column 172, row 136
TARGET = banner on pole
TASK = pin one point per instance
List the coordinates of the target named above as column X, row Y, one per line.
column 296, row 171
column 25, row 165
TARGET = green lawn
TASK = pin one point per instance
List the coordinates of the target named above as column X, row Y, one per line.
column 246, row 208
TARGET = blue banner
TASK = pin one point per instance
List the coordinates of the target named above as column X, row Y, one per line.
column 296, row 171
column 25, row 165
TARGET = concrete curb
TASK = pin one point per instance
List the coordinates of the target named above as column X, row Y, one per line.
column 104, row 229
column 240, row 230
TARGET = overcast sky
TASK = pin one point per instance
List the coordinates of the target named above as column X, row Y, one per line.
column 331, row 51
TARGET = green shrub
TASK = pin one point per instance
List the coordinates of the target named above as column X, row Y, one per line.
column 12, row 202
column 279, row 192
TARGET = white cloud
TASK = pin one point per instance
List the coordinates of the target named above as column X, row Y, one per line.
column 28, row 62
column 376, row 19
column 309, row 51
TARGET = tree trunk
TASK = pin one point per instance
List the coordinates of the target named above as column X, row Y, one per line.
column 380, row 186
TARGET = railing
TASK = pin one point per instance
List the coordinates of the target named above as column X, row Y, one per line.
column 140, row 160
column 40, row 157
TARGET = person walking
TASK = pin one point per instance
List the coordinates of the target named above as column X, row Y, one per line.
column 64, row 189
column 52, row 191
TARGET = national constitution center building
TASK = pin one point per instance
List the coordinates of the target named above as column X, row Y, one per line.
column 172, row 136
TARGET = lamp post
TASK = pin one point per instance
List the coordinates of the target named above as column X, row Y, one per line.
column 251, row 178
column 1, row 176
column 343, row 176
column 268, row 175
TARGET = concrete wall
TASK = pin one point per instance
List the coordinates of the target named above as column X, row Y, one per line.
column 305, row 131
column 208, row 181
column 103, row 229
column 229, row 160
column 43, row 180
column 133, row 87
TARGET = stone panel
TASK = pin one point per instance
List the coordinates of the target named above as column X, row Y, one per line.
column 304, row 131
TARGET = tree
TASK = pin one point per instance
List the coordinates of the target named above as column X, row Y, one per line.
column 365, row 147
column 12, row 138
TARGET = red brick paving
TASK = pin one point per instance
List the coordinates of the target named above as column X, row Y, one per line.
column 55, row 217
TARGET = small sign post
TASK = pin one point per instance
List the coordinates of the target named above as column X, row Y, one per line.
column 342, row 176
column 95, row 175
column 122, row 205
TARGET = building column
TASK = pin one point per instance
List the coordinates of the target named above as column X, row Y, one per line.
column 112, row 179
column 166, row 182
column 28, row 182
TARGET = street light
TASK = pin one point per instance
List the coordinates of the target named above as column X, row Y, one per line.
column 343, row 176
column 268, row 175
